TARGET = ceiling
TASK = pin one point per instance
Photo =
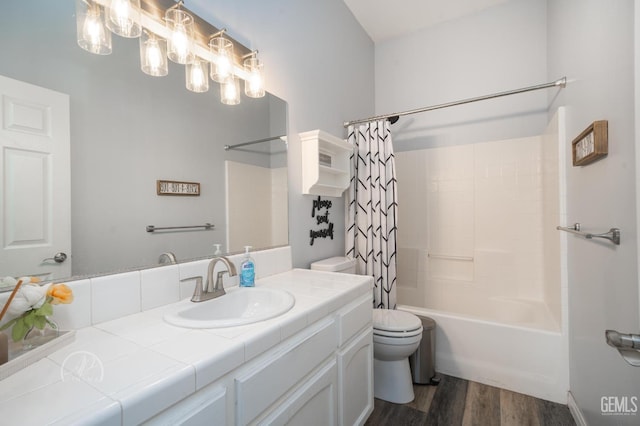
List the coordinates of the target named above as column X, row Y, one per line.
column 384, row 19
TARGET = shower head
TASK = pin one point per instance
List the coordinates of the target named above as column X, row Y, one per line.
column 393, row 119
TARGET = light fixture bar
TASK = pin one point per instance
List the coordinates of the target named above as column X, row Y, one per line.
column 154, row 23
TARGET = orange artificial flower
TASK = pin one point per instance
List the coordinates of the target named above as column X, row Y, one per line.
column 60, row 293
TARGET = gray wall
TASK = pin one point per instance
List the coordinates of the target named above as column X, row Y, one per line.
column 498, row 49
column 592, row 42
column 319, row 59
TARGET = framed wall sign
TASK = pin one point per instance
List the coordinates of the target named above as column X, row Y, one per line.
column 170, row 187
column 592, row 144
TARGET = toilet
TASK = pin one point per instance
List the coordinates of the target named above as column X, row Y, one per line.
column 396, row 335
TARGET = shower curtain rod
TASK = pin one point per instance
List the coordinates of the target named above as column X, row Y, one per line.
column 238, row 145
column 561, row 82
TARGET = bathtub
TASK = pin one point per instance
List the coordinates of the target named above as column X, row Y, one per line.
column 514, row 350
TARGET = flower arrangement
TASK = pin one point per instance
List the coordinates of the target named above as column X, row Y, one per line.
column 33, row 304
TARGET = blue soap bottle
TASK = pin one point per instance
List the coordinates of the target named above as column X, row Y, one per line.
column 247, row 270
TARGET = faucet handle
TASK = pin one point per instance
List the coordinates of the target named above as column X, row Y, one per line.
column 197, row 292
column 219, row 280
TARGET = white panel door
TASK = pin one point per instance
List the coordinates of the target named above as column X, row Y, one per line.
column 35, row 219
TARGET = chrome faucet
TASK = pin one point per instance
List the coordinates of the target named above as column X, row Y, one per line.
column 212, row 290
column 167, row 257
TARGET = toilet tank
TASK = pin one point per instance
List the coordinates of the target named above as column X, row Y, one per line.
column 335, row 264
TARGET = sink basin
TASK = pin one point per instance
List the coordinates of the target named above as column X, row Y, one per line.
column 239, row 306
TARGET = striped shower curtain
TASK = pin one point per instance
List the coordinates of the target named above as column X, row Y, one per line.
column 372, row 207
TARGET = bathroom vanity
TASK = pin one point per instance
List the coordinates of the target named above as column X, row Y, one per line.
column 310, row 365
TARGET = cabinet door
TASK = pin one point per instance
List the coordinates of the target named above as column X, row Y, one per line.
column 205, row 407
column 355, row 379
column 313, row 404
column 260, row 386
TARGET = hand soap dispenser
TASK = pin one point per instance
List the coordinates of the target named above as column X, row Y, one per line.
column 247, row 270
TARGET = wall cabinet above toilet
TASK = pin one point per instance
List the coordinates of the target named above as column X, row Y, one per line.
column 325, row 164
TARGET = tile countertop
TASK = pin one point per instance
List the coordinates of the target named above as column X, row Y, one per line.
column 126, row 370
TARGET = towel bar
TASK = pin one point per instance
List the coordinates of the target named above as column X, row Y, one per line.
column 612, row 235
column 206, row 226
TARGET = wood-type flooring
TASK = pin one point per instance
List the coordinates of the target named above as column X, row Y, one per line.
column 458, row 402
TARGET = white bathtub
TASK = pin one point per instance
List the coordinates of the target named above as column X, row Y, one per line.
column 515, row 357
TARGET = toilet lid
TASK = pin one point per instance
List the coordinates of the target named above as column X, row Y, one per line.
column 395, row 321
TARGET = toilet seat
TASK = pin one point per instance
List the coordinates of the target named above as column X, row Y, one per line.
column 398, row 334
column 394, row 323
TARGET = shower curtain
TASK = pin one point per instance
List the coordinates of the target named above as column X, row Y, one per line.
column 371, row 209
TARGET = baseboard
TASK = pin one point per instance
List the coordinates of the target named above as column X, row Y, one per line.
column 575, row 410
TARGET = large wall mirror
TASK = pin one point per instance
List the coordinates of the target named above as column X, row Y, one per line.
column 127, row 131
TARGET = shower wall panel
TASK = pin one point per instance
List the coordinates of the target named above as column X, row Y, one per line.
column 473, row 222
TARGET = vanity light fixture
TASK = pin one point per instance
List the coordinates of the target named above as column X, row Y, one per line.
column 254, row 84
column 180, row 26
column 123, row 18
column 91, row 31
column 197, row 75
column 230, row 91
column 168, row 30
column 222, row 48
column 153, row 54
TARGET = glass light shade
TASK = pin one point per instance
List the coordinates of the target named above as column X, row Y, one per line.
column 91, row 31
column 153, row 54
column 230, row 91
column 222, row 67
column 196, row 74
column 123, row 18
column 179, row 44
column 254, row 84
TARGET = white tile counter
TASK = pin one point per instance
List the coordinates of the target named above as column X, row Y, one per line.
column 128, row 369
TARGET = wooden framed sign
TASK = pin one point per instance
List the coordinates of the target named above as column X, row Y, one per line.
column 170, row 187
column 592, row 144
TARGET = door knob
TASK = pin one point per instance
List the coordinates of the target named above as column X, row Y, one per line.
column 58, row 257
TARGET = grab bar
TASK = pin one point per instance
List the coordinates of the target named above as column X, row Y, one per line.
column 206, row 226
column 613, row 235
column 448, row 257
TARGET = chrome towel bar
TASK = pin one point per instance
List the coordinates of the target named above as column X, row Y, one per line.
column 613, row 235
column 206, row 227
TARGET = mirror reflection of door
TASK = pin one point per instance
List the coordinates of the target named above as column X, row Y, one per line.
column 35, row 223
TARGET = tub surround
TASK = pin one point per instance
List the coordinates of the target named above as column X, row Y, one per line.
column 477, row 234
column 136, row 365
column 496, row 285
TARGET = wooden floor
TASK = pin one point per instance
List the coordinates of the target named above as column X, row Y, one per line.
column 460, row 402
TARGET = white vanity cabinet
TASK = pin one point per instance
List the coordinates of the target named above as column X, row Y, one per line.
column 262, row 383
column 314, row 403
column 323, row 375
column 208, row 406
column 324, row 379
column 355, row 381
